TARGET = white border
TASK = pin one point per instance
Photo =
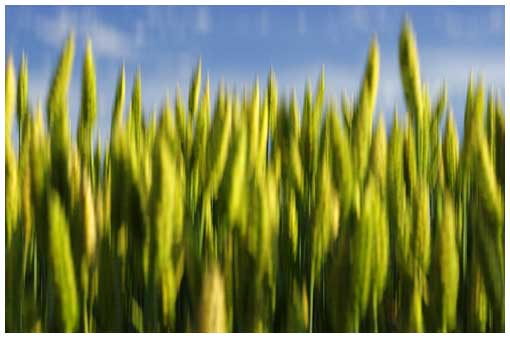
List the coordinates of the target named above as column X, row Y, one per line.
column 231, row 2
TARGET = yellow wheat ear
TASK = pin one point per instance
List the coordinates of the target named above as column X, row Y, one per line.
column 10, row 94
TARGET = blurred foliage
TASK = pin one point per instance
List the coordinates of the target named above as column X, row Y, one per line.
column 249, row 214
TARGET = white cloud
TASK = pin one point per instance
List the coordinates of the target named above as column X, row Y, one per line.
column 203, row 20
column 107, row 40
column 54, row 30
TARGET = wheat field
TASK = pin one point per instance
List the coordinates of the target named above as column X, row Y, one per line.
column 249, row 212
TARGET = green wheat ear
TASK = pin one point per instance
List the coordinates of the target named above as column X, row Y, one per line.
column 442, row 101
column 319, row 96
column 88, row 101
column 347, row 112
column 446, row 270
column 237, row 176
column 254, row 122
column 369, row 86
column 136, row 115
column 88, row 109
column 381, row 247
column 118, row 103
column 61, row 264
column 22, row 97
column 410, row 71
column 272, row 89
column 199, row 146
column 362, row 120
column 450, row 152
column 342, row 162
column 378, row 153
column 500, row 144
column 219, row 139
column 294, row 116
column 58, row 121
column 180, row 119
column 194, row 91
column 491, row 206
column 56, row 105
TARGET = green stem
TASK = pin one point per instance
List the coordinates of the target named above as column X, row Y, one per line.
column 374, row 312
column 310, row 314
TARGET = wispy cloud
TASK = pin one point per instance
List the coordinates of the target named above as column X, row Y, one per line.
column 462, row 26
column 164, row 23
column 353, row 21
column 108, row 41
column 366, row 19
column 157, row 24
column 203, row 20
column 496, row 20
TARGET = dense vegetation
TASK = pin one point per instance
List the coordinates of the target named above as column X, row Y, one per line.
column 254, row 214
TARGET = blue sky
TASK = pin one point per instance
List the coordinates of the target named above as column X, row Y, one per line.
column 238, row 42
